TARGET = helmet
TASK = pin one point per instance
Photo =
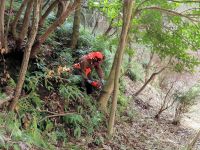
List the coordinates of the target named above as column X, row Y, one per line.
column 95, row 55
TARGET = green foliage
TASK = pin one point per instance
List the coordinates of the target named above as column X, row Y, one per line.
column 85, row 39
column 93, row 121
column 135, row 72
column 170, row 36
column 111, row 9
column 12, row 131
column 122, row 102
column 74, row 119
column 188, row 97
column 70, row 92
column 2, row 95
column 65, row 58
column 11, row 83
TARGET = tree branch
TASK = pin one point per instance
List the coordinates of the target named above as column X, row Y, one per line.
column 47, row 12
column 192, row 1
column 170, row 12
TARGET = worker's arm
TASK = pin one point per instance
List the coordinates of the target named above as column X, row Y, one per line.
column 99, row 72
column 83, row 65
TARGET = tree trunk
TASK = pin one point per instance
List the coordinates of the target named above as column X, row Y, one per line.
column 25, row 24
column 17, row 17
column 26, row 56
column 47, row 12
column 76, row 26
column 60, row 9
column 127, row 11
column 69, row 8
column 7, row 27
column 45, row 4
column 148, row 81
column 108, row 88
column 2, row 36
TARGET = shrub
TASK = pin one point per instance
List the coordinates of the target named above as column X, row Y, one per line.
column 135, row 72
column 184, row 101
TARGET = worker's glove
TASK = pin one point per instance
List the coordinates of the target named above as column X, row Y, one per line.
column 95, row 84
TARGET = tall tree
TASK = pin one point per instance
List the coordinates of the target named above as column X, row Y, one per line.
column 27, row 52
column 127, row 12
column 153, row 28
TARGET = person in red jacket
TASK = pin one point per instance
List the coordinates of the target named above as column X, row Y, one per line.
column 85, row 66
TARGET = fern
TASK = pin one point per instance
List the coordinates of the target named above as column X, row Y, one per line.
column 70, row 92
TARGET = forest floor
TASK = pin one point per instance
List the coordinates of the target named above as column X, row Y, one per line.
column 143, row 131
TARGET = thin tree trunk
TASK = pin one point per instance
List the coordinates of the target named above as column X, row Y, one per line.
column 7, row 27
column 26, row 56
column 47, row 12
column 127, row 11
column 67, row 11
column 25, row 24
column 109, row 28
column 60, row 9
column 96, row 24
column 76, row 26
column 17, row 17
column 108, row 88
column 2, row 12
column 148, row 81
column 47, row 2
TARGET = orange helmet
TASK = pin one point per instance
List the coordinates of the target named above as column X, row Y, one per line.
column 97, row 55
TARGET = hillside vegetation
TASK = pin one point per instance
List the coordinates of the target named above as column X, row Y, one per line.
column 151, row 75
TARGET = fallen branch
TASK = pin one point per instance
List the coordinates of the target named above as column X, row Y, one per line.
column 57, row 115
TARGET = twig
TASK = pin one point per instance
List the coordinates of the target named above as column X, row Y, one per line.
column 57, row 115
